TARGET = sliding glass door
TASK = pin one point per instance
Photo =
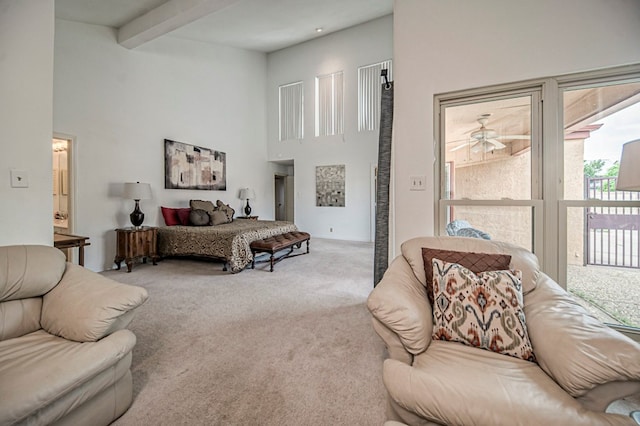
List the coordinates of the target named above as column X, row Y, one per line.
column 602, row 223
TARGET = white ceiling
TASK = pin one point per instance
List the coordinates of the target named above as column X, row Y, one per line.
column 263, row 25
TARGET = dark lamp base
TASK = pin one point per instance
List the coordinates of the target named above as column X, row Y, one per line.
column 247, row 209
column 136, row 216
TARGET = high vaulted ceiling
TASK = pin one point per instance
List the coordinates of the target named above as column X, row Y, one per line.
column 262, row 25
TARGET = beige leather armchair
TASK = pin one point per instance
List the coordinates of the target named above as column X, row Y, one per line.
column 64, row 351
column 582, row 365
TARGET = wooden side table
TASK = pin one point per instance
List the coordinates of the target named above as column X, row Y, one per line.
column 135, row 244
column 67, row 241
column 247, row 217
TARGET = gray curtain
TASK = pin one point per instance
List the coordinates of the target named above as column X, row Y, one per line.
column 381, row 253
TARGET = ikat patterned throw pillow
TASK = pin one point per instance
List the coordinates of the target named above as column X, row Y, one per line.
column 484, row 310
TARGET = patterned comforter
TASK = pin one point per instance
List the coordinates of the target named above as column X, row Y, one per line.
column 229, row 241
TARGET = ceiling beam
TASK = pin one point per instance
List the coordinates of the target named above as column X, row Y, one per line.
column 166, row 18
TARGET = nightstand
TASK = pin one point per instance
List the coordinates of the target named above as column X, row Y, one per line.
column 248, row 217
column 135, row 244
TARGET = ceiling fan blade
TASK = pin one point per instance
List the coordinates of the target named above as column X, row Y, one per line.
column 477, row 147
column 496, row 144
column 464, row 145
column 518, row 137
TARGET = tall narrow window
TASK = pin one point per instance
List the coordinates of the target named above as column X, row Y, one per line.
column 369, row 84
column 291, row 111
column 329, row 104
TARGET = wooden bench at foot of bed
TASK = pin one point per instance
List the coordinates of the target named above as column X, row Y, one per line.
column 276, row 243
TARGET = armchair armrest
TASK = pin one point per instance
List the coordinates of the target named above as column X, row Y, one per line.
column 574, row 348
column 86, row 306
column 399, row 302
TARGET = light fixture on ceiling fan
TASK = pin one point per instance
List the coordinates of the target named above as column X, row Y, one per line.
column 486, row 140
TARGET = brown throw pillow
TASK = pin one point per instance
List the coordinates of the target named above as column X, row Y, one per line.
column 207, row 206
column 226, row 209
column 218, row 217
column 198, row 217
column 476, row 262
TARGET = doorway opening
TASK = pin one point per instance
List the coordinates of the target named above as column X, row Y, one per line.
column 62, row 169
column 284, row 198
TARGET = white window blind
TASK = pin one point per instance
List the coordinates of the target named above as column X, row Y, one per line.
column 329, row 104
column 369, row 84
column 291, row 111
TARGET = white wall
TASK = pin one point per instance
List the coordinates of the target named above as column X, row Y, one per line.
column 121, row 104
column 26, row 97
column 345, row 51
column 445, row 46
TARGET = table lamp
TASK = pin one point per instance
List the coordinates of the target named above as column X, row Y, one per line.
column 137, row 191
column 247, row 194
column 629, row 171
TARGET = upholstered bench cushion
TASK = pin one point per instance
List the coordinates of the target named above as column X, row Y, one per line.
column 276, row 243
column 280, row 242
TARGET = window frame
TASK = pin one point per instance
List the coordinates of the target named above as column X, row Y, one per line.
column 492, row 93
column 336, row 106
column 551, row 207
column 299, row 125
column 374, row 103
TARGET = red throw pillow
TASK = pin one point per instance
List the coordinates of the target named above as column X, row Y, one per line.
column 476, row 262
column 170, row 216
column 183, row 215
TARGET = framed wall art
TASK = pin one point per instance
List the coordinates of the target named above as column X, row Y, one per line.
column 194, row 167
column 330, row 185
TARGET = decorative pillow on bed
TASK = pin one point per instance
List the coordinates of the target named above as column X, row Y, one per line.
column 170, row 216
column 175, row 216
column 207, row 206
column 485, row 310
column 218, row 217
column 476, row 262
column 199, row 217
column 228, row 211
column 183, row 215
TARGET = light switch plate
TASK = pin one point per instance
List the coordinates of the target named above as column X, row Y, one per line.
column 19, row 179
column 417, row 183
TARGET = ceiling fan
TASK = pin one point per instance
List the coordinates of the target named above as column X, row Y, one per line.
column 486, row 140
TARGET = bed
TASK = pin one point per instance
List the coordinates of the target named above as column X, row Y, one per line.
column 228, row 242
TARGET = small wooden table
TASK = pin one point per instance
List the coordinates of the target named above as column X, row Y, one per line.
column 67, row 241
column 136, row 243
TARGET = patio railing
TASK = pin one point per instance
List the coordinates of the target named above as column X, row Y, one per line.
column 612, row 233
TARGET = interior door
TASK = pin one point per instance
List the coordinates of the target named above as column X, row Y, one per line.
column 289, row 199
column 280, row 198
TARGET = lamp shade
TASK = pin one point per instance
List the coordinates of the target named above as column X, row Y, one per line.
column 247, row 194
column 137, row 191
column 629, row 172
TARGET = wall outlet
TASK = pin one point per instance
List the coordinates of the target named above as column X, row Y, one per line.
column 19, row 179
column 418, row 183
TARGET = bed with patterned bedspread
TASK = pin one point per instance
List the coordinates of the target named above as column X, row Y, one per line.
column 228, row 242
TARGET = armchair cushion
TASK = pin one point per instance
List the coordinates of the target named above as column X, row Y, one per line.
column 573, row 347
column 29, row 271
column 453, row 384
column 476, row 262
column 86, row 306
column 399, row 302
column 484, row 311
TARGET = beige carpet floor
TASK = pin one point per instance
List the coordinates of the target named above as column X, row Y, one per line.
column 292, row 347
